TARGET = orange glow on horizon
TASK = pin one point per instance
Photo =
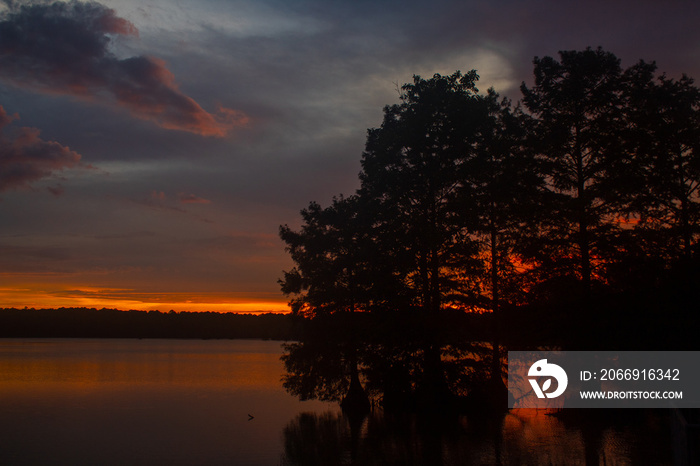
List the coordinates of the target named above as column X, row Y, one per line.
column 90, row 297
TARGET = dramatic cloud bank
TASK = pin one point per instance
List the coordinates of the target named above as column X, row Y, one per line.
column 25, row 158
column 63, row 48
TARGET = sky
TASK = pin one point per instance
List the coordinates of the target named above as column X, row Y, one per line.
column 150, row 150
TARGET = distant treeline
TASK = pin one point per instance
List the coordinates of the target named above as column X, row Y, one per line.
column 113, row 323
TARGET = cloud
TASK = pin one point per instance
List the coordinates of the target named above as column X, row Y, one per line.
column 157, row 195
column 192, row 199
column 159, row 198
column 158, row 201
column 25, row 158
column 64, row 48
column 57, row 190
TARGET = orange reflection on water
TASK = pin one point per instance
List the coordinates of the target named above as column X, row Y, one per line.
column 93, row 364
column 114, row 402
column 538, row 431
column 586, row 436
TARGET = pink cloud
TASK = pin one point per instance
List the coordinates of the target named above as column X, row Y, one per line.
column 26, row 158
column 62, row 48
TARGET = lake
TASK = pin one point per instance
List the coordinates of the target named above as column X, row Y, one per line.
column 190, row 402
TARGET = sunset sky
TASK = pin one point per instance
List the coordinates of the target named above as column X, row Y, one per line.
column 149, row 150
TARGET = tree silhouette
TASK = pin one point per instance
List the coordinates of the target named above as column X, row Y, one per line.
column 327, row 260
column 411, row 171
column 500, row 188
column 585, row 200
column 576, row 103
column 665, row 116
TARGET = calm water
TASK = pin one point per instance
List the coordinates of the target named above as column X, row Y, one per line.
column 180, row 402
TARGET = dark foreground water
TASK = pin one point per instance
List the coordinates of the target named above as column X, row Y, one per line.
column 182, row 402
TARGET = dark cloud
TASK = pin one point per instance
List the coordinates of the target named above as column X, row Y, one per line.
column 25, row 158
column 63, row 48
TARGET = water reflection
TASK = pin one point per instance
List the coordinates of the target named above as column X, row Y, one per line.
column 174, row 402
column 521, row 437
column 143, row 402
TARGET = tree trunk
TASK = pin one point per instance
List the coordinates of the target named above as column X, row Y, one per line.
column 582, row 213
column 495, row 304
column 356, row 400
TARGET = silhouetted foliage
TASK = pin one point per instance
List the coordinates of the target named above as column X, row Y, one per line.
column 410, row 170
column 665, row 116
column 577, row 105
column 501, row 187
column 478, row 221
column 335, row 253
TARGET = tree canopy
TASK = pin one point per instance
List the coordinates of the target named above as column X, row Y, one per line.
column 476, row 219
